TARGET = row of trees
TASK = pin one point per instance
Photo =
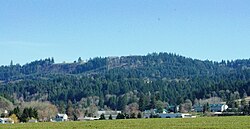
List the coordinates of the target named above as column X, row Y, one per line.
column 44, row 111
column 22, row 116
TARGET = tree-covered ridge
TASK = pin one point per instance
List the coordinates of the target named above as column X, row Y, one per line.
column 115, row 82
column 152, row 66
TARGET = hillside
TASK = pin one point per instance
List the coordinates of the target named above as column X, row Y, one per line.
column 114, row 82
column 152, row 66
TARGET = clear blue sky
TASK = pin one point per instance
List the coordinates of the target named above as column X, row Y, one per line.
column 68, row 29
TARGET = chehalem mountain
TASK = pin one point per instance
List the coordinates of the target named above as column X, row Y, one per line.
column 115, row 82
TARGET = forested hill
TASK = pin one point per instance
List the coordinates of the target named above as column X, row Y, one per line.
column 162, row 65
column 163, row 76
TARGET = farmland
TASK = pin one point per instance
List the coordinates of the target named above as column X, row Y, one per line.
column 202, row 122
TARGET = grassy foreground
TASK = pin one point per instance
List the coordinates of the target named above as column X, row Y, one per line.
column 203, row 122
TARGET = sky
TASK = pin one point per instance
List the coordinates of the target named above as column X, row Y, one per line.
column 68, row 29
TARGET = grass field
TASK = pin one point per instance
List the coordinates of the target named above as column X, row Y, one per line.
column 199, row 123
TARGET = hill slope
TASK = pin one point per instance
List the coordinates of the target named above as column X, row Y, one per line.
column 155, row 77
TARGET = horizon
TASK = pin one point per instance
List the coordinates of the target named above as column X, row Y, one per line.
column 66, row 30
column 85, row 60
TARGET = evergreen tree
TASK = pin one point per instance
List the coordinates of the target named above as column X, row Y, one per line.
column 142, row 103
column 101, row 102
column 122, row 102
column 120, row 116
column 159, row 105
column 28, row 113
column 79, row 60
column 139, row 115
column 152, row 103
column 16, row 111
column 133, row 116
column 52, row 60
column 75, row 116
column 206, row 107
column 110, row 117
column 11, row 63
column 70, row 110
column 25, row 115
column 102, row 117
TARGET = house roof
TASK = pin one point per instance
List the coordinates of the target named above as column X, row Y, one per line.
column 5, row 118
column 210, row 105
column 61, row 114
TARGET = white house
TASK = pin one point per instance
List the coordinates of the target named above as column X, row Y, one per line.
column 6, row 121
column 212, row 107
column 61, row 117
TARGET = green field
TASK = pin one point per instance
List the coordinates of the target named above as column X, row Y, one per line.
column 202, row 122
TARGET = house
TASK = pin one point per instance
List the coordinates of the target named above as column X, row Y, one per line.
column 218, row 107
column 149, row 113
column 212, row 107
column 61, row 117
column 175, row 115
column 198, row 108
column 6, row 121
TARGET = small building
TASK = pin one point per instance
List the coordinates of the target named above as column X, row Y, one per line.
column 6, row 121
column 33, row 121
column 61, row 117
